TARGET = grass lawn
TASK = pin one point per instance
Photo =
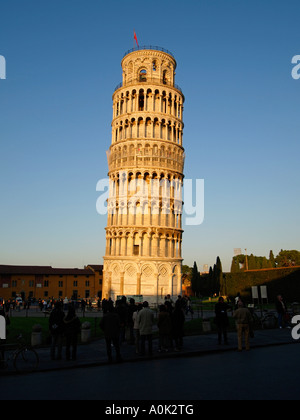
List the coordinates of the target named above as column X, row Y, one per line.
column 24, row 326
column 194, row 327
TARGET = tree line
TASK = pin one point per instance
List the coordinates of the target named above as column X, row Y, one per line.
column 210, row 284
column 207, row 284
column 285, row 258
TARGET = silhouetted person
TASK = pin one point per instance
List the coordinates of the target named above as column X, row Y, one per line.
column 130, row 324
column 136, row 328
column 110, row 324
column 56, row 327
column 282, row 312
column 72, row 329
column 122, row 311
column 164, row 324
column 222, row 321
column 178, row 320
column 83, row 305
column 104, row 306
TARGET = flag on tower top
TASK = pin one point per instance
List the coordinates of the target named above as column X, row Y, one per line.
column 135, row 37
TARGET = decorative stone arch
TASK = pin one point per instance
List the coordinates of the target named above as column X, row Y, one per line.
column 149, row 100
column 129, row 71
column 176, row 280
column 131, row 271
column 142, row 74
column 148, row 127
column 148, row 279
column 115, row 279
column 164, row 280
column 166, row 76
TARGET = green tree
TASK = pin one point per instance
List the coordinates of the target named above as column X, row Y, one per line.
column 187, row 271
column 288, row 258
column 252, row 263
column 195, row 279
column 218, row 277
column 272, row 259
column 235, row 265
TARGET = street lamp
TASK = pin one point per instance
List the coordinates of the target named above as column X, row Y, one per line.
column 246, row 259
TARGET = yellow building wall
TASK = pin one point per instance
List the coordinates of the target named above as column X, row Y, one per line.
column 49, row 286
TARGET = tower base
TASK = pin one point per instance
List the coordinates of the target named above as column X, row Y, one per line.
column 146, row 279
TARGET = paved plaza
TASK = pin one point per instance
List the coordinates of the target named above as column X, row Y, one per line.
column 94, row 353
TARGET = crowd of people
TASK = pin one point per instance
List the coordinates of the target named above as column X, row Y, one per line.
column 127, row 321
column 60, row 326
column 138, row 321
column 120, row 322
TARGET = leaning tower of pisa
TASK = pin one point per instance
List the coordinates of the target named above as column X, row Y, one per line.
column 146, row 160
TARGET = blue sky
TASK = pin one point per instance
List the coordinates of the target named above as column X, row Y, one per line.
column 241, row 118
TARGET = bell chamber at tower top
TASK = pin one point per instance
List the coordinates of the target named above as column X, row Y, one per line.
column 148, row 104
column 149, row 64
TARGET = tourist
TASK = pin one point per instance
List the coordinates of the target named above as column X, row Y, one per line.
column 221, row 319
column 83, row 305
column 66, row 303
column 164, row 324
column 188, row 307
column 283, row 316
column 243, row 320
column 145, row 322
column 169, row 299
column 56, row 327
column 136, row 328
column 110, row 324
column 178, row 320
column 122, row 311
column 72, row 329
column 237, row 300
column 130, row 324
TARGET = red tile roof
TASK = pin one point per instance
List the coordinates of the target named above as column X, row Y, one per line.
column 42, row 270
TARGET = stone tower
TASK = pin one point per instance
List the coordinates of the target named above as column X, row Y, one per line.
column 146, row 161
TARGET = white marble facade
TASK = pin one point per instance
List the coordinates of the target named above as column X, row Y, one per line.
column 146, row 161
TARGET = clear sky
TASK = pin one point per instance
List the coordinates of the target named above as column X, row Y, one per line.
column 241, row 116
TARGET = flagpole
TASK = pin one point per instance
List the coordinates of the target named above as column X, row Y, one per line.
column 135, row 39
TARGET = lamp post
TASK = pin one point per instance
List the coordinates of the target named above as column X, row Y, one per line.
column 246, row 259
